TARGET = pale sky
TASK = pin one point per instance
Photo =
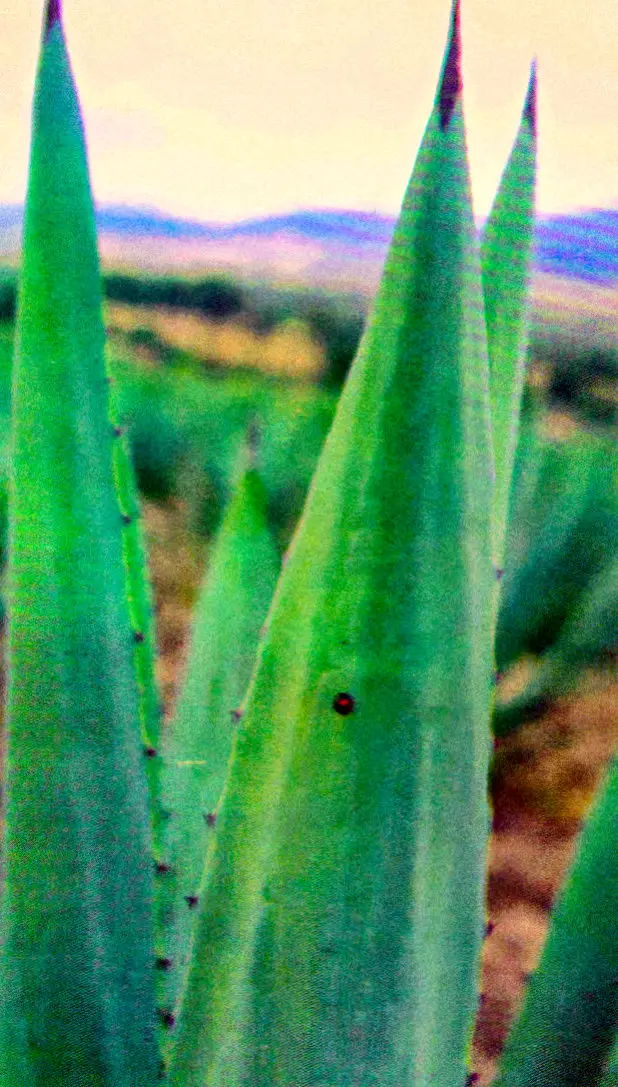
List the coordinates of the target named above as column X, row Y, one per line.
column 239, row 108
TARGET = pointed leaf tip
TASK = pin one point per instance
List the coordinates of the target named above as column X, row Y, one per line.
column 530, row 107
column 53, row 14
column 451, row 85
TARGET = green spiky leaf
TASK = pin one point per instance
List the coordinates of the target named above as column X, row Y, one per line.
column 229, row 615
column 77, row 967
column 506, row 254
column 341, row 916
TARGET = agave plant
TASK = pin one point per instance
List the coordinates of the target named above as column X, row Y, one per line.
column 293, row 892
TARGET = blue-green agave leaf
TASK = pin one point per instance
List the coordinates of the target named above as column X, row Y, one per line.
column 341, row 916
column 77, row 980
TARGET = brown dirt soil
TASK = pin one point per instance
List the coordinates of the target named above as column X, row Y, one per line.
column 177, row 562
column 543, row 781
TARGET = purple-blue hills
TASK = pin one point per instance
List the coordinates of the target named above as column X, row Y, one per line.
column 581, row 245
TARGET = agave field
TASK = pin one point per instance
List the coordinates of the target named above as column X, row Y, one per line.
column 283, row 880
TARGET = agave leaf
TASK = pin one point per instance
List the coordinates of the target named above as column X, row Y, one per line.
column 568, row 1023
column 506, row 254
column 77, row 971
column 231, row 609
column 341, row 916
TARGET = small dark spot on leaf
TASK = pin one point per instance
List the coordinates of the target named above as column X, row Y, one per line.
column 499, row 574
column 343, row 704
column 168, row 1018
column 162, row 868
column 489, row 927
column 210, row 818
column 118, row 431
column 126, row 519
column 164, row 964
column 138, row 636
column 150, row 752
column 192, row 901
column 472, row 1078
column 236, row 716
column 498, row 677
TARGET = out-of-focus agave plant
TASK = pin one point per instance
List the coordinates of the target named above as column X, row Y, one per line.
column 293, row 893
column 559, row 604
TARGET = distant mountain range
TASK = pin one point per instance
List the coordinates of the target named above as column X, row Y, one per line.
column 320, row 245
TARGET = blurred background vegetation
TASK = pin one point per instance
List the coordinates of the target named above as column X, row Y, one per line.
column 196, row 361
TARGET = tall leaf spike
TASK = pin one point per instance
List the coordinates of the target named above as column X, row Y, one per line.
column 232, row 605
column 77, row 973
column 340, row 919
column 506, row 261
